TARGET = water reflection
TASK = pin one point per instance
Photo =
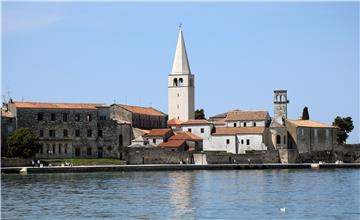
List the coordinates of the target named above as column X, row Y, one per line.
column 180, row 194
column 247, row 194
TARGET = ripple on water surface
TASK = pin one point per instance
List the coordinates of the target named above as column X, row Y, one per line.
column 232, row 194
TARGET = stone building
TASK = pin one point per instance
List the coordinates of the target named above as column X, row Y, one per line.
column 139, row 117
column 181, row 84
column 310, row 136
column 8, row 125
column 73, row 130
column 280, row 106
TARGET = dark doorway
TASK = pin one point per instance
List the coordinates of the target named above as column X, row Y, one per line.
column 100, row 152
column 77, row 152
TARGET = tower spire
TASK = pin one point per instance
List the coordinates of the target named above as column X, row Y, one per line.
column 181, row 62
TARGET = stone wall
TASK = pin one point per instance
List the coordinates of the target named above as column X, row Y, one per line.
column 271, row 156
column 154, row 155
column 7, row 128
column 75, row 132
column 15, row 162
column 143, row 121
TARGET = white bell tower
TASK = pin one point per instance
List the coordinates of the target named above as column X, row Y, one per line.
column 181, row 101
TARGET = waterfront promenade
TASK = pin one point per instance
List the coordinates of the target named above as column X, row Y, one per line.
column 172, row 167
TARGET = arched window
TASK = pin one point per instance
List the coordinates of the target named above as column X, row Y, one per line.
column 278, row 139
column 254, row 124
column 181, row 81
column 277, row 98
column 244, row 124
column 234, row 124
column 175, row 82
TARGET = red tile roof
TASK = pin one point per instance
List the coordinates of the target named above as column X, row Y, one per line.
column 172, row 144
column 174, row 122
column 158, row 132
column 143, row 110
column 196, row 122
column 309, row 123
column 246, row 115
column 185, row 136
column 57, row 105
column 239, row 130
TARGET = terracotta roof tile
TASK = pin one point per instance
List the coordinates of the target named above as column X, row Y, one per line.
column 57, row 105
column 142, row 110
column 239, row 130
column 196, row 122
column 158, row 132
column 185, row 136
column 222, row 115
column 172, row 144
column 246, row 115
column 309, row 123
column 174, row 121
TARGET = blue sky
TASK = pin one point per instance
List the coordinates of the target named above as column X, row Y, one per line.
column 239, row 52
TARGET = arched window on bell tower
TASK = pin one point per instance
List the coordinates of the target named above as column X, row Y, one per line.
column 175, row 82
column 181, row 82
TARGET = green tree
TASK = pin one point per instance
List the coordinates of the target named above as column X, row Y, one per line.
column 345, row 127
column 305, row 114
column 23, row 143
column 199, row 114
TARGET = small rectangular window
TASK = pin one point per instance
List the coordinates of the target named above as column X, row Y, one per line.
column 77, row 133
column 53, row 149
column 60, row 146
column 227, row 141
column 100, row 133
column 65, row 116
column 77, row 117
column 65, row 133
column 284, row 139
column 244, row 124
column 41, row 133
column 202, row 130
column 65, row 149
column 254, row 124
column 247, row 141
column 88, row 151
column 189, row 129
column 52, row 133
column 40, row 116
column 154, row 140
column 53, row 117
column 89, row 117
column 234, row 125
column 89, row 133
column 242, row 141
column 102, row 117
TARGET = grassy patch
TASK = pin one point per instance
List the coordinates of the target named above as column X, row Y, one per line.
column 76, row 162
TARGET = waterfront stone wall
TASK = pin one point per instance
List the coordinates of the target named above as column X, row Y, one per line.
column 270, row 156
column 15, row 162
column 154, row 155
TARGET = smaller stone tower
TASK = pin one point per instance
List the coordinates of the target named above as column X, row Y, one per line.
column 280, row 105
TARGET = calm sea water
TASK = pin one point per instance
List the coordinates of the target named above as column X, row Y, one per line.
column 233, row 194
